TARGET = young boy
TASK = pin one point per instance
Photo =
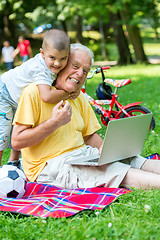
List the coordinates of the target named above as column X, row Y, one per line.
column 43, row 70
column 7, row 58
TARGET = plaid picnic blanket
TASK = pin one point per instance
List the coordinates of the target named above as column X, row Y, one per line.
column 49, row 201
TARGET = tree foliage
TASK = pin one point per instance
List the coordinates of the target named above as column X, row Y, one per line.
column 74, row 15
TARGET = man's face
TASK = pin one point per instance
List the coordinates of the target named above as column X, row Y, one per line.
column 54, row 59
column 74, row 74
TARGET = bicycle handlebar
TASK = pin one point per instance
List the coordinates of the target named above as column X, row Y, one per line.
column 106, row 67
column 97, row 70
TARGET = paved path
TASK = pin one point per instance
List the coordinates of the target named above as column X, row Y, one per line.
column 152, row 60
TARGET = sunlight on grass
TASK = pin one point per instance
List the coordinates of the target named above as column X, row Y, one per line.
column 92, row 34
column 86, row 34
column 152, row 49
column 147, row 32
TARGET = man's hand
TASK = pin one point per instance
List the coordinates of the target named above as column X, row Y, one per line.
column 94, row 140
column 62, row 113
column 26, row 135
column 100, row 148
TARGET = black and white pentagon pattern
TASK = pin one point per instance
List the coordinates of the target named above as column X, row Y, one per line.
column 12, row 182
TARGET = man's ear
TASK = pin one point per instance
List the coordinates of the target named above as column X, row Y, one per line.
column 42, row 52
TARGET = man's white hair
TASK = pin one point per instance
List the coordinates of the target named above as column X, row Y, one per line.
column 82, row 47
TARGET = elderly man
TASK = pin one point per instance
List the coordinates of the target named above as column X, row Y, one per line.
column 48, row 134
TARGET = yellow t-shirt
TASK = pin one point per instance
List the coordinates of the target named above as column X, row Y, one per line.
column 33, row 111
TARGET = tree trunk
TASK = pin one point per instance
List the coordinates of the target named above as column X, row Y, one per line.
column 79, row 37
column 156, row 35
column 103, row 49
column 121, row 40
column 8, row 25
column 134, row 37
column 7, row 32
column 64, row 25
column 136, row 40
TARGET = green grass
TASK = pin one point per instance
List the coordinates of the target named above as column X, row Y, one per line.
column 132, row 216
column 127, row 218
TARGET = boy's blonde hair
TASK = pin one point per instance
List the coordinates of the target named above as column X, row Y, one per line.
column 56, row 38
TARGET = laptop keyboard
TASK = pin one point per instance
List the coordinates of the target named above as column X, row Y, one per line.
column 93, row 160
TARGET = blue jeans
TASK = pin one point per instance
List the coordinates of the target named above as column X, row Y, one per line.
column 9, row 65
column 7, row 110
column 24, row 58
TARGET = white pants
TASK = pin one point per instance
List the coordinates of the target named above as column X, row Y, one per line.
column 59, row 174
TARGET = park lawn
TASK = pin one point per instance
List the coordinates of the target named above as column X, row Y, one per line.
column 133, row 216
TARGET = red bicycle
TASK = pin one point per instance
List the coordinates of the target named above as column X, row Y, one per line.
column 108, row 98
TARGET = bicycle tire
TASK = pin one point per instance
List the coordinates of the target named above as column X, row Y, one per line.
column 137, row 110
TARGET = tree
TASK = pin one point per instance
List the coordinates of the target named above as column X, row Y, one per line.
column 13, row 12
column 121, row 40
column 8, row 27
column 72, row 15
column 82, row 11
column 134, row 34
column 153, row 17
column 129, row 14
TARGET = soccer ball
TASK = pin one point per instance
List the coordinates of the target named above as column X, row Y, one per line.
column 12, row 182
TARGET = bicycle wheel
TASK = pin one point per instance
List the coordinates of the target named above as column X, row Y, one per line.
column 138, row 110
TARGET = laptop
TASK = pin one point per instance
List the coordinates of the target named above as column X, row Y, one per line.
column 124, row 138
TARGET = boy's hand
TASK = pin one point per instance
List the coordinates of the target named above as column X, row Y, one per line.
column 74, row 95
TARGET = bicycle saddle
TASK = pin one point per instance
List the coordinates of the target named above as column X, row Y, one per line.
column 116, row 82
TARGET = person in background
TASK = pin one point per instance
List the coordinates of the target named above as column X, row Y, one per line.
column 23, row 48
column 7, row 58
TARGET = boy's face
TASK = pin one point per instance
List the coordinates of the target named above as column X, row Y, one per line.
column 6, row 44
column 54, row 59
